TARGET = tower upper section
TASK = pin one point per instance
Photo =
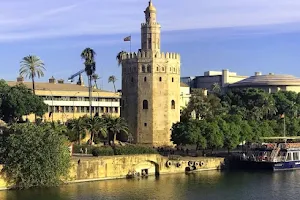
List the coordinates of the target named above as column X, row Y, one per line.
column 150, row 30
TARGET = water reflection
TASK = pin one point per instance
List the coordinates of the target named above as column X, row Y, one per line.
column 201, row 186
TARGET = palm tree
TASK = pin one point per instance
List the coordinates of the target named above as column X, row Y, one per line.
column 95, row 77
column 112, row 79
column 116, row 125
column 95, row 126
column 119, row 57
column 78, row 127
column 88, row 55
column 32, row 66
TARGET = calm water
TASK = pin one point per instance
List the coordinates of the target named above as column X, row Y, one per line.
column 212, row 185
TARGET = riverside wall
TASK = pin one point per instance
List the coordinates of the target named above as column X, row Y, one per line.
column 86, row 169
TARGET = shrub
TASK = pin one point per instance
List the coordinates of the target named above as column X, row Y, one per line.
column 35, row 156
column 133, row 149
column 103, row 151
column 96, row 152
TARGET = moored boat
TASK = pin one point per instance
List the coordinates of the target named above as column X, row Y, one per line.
column 269, row 156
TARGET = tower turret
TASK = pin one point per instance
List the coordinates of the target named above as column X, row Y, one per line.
column 150, row 31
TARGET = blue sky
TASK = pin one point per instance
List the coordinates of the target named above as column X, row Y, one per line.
column 240, row 35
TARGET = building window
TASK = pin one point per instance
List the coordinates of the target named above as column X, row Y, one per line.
column 149, row 43
column 143, row 69
column 131, row 79
column 163, row 69
column 172, row 104
column 172, row 79
column 149, row 68
column 145, row 124
column 145, row 104
column 145, row 79
column 157, row 69
column 160, row 79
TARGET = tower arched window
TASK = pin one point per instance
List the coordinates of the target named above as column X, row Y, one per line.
column 172, row 79
column 157, row 69
column 145, row 105
column 163, row 69
column 145, row 79
column 143, row 69
column 172, row 104
column 160, row 79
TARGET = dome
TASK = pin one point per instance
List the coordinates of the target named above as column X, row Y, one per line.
column 150, row 8
column 268, row 80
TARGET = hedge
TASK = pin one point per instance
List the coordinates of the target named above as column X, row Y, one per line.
column 117, row 150
column 133, row 149
column 103, row 151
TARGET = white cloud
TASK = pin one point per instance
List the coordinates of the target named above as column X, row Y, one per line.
column 31, row 19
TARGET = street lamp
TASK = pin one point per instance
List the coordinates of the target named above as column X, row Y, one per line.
column 73, row 103
column 52, row 112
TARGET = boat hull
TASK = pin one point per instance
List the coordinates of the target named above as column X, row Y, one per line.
column 272, row 166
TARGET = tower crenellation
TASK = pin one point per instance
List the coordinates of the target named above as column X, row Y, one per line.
column 150, row 86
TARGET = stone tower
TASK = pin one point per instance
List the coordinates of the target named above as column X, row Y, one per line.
column 150, row 87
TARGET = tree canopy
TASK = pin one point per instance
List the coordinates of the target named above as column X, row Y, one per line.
column 18, row 101
column 34, row 155
column 238, row 115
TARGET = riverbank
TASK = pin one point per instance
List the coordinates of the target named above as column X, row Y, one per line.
column 86, row 169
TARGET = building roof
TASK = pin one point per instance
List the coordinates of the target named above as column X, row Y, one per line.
column 183, row 84
column 268, row 80
column 55, row 86
column 62, row 88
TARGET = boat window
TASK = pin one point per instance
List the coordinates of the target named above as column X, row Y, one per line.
column 289, row 156
column 295, row 155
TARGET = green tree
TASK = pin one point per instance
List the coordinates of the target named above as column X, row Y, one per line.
column 213, row 135
column 251, row 103
column 232, row 137
column 78, row 126
column 190, row 132
column 180, row 134
column 34, row 156
column 204, row 107
column 97, row 127
column 32, row 66
column 115, row 126
column 18, row 101
column 112, row 79
column 88, row 55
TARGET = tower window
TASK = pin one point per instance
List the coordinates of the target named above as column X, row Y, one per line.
column 172, row 79
column 160, row 79
column 172, row 104
column 145, row 105
column 163, row 69
column 157, row 69
column 131, row 79
column 145, row 124
column 143, row 69
column 149, row 68
column 145, row 79
column 149, row 43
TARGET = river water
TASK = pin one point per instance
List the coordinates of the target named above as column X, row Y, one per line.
column 208, row 185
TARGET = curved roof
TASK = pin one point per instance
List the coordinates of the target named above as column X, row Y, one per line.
column 150, row 8
column 268, row 80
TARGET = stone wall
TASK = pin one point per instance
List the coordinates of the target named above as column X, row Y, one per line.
column 112, row 167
